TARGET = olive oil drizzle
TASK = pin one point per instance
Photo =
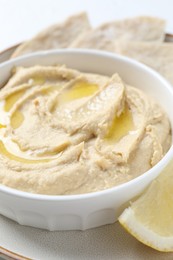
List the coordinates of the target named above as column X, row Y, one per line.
column 78, row 90
column 120, row 126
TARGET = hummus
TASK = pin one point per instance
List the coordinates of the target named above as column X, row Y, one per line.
column 67, row 132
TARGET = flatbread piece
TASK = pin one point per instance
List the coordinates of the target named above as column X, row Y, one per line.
column 56, row 36
column 158, row 56
column 141, row 28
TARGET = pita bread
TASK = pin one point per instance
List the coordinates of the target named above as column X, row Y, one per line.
column 133, row 29
column 56, row 36
column 158, row 56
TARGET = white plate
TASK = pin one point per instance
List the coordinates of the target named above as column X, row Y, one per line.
column 107, row 242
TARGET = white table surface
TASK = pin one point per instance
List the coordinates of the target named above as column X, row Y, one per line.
column 21, row 19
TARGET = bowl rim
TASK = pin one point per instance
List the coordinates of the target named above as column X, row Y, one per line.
column 167, row 157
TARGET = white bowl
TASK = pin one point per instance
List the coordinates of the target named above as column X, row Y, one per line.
column 72, row 212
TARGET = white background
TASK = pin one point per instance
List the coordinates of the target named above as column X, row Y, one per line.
column 21, row 19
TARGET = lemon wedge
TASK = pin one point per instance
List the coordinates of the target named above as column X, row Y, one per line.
column 150, row 217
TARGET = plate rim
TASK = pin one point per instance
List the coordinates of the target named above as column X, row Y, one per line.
column 169, row 34
column 12, row 255
column 10, row 48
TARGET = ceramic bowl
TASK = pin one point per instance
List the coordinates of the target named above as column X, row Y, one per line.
column 81, row 212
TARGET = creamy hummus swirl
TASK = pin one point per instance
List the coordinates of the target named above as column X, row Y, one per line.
column 67, row 132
